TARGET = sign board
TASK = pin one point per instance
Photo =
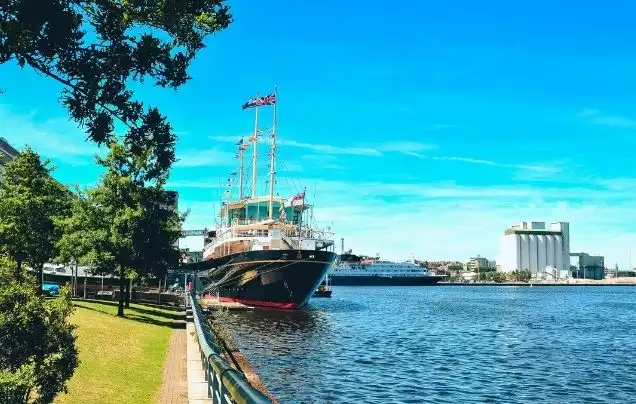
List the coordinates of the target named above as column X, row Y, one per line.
column 187, row 233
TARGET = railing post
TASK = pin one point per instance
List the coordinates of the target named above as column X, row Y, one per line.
column 209, row 373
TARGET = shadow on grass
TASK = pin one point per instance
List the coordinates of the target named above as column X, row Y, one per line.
column 172, row 320
column 177, row 315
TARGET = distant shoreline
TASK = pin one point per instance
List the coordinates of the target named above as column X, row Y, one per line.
column 600, row 283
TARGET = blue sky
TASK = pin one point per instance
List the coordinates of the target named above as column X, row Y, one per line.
column 424, row 129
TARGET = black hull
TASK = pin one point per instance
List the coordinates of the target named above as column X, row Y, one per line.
column 282, row 279
column 371, row 280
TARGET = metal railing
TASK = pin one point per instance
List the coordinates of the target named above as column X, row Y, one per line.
column 225, row 384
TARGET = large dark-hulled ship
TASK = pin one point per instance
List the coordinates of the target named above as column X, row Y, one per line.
column 264, row 251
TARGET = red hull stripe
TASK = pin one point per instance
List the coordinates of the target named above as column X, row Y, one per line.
column 261, row 303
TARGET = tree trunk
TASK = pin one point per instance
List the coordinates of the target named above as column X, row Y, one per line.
column 18, row 273
column 41, row 276
column 122, row 295
column 127, row 299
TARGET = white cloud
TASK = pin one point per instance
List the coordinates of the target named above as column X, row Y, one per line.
column 52, row 138
column 598, row 118
column 541, row 168
column 409, row 148
column 405, row 147
column 360, row 150
column 194, row 184
column 450, row 221
column 205, row 157
column 330, row 149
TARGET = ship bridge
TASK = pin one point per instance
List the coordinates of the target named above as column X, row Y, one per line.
column 254, row 210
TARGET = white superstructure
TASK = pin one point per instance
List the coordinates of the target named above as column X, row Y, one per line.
column 530, row 246
column 376, row 267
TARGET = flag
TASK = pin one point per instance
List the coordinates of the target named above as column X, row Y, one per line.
column 260, row 101
column 234, row 173
column 268, row 100
column 251, row 103
column 239, row 142
column 243, row 146
column 297, row 200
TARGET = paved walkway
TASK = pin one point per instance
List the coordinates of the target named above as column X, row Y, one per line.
column 175, row 384
column 197, row 386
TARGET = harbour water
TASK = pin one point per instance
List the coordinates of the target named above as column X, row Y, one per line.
column 448, row 344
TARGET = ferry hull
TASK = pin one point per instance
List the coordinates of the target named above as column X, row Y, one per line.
column 374, row 280
column 279, row 279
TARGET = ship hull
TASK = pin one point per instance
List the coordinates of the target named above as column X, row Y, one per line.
column 375, row 280
column 279, row 279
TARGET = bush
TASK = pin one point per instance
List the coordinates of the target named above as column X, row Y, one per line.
column 37, row 344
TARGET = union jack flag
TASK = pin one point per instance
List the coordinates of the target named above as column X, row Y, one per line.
column 260, row 101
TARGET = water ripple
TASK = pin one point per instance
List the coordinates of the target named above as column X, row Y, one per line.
column 447, row 345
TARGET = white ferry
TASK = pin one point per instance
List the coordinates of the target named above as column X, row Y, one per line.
column 354, row 270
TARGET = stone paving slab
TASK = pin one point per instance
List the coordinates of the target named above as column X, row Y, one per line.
column 197, row 386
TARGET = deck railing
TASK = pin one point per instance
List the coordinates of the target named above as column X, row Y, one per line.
column 225, row 384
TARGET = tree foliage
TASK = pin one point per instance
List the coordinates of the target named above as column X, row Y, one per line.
column 521, row 276
column 37, row 345
column 126, row 225
column 96, row 47
column 30, row 200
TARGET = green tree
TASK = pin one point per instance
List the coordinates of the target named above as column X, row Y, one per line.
column 159, row 228
column 37, row 345
column 497, row 276
column 521, row 276
column 125, row 226
column 97, row 48
column 30, row 200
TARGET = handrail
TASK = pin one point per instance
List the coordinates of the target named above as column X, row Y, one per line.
column 225, row 384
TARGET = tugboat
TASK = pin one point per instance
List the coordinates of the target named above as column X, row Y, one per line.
column 262, row 252
column 324, row 289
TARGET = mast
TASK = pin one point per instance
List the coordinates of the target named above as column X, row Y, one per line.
column 254, row 155
column 272, row 167
column 241, row 169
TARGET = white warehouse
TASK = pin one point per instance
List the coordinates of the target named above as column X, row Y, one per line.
column 530, row 246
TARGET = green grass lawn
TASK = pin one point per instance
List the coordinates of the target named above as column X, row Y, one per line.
column 121, row 358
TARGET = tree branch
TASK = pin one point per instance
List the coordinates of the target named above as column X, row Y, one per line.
column 35, row 64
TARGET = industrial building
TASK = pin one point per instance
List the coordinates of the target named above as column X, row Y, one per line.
column 588, row 266
column 531, row 246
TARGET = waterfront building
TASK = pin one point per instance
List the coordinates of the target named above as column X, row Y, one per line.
column 7, row 153
column 588, row 266
column 478, row 262
column 531, row 246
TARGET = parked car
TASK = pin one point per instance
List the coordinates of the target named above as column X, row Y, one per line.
column 50, row 289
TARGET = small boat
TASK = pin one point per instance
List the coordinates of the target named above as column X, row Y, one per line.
column 324, row 289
